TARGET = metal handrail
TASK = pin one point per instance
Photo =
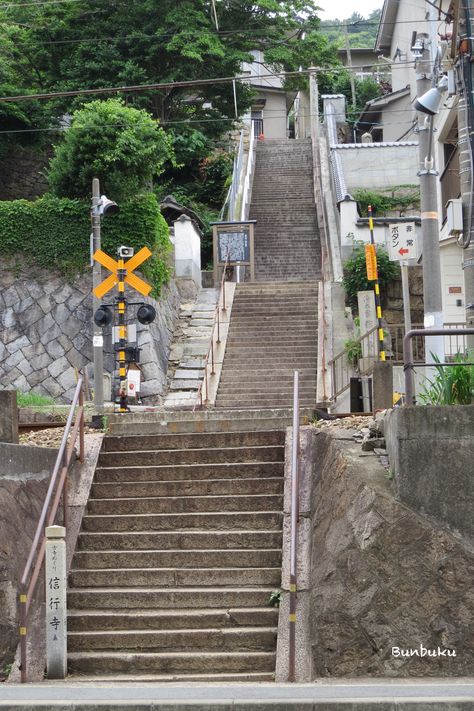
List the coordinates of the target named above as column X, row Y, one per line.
column 57, row 488
column 247, row 189
column 408, row 363
column 294, row 519
column 340, row 362
column 210, row 353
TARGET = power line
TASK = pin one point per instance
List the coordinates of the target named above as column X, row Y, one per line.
column 220, row 33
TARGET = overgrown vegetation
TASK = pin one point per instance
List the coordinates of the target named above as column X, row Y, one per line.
column 353, row 346
column 355, row 273
column 56, row 231
column 124, row 147
column 452, row 384
column 32, row 399
column 398, row 198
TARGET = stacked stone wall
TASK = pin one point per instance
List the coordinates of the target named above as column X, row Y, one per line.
column 46, row 333
column 22, row 174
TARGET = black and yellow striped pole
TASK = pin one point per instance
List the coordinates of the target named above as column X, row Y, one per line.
column 122, row 334
column 372, row 275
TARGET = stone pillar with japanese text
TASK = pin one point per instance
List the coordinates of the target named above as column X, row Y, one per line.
column 56, row 611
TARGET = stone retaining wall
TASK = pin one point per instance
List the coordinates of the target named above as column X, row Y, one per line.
column 46, row 333
column 374, row 573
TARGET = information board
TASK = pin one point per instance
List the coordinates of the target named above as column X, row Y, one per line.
column 234, row 244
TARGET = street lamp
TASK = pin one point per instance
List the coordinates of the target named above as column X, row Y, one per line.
column 429, row 103
column 101, row 206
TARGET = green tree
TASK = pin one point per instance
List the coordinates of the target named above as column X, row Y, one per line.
column 64, row 46
column 124, row 147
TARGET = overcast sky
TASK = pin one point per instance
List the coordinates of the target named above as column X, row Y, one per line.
column 344, row 8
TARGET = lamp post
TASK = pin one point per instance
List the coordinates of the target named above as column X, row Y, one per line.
column 100, row 206
column 428, row 102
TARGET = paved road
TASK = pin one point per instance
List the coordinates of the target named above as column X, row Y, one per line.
column 336, row 696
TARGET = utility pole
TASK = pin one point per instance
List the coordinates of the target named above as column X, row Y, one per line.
column 98, row 339
column 466, row 155
column 349, row 64
column 432, row 295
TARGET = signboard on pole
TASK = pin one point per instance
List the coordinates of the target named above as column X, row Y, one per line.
column 371, row 262
column 233, row 241
column 402, row 243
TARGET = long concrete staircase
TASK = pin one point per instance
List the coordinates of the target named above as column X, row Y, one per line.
column 179, row 552
column 287, row 242
column 273, row 332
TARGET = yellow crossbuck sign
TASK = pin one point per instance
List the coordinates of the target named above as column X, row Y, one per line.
column 114, row 265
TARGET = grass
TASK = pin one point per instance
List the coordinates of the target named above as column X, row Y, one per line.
column 33, row 400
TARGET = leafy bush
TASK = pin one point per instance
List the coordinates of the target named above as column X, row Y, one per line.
column 452, row 384
column 55, row 231
column 355, row 273
column 400, row 197
column 124, row 147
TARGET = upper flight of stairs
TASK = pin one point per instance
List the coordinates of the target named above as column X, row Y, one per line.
column 287, row 244
column 273, row 332
column 179, row 551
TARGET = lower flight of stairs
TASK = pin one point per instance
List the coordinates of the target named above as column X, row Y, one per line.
column 273, row 332
column 179, row 552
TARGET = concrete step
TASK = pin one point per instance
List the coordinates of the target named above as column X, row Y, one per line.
column 269, row 399
column 192, row 441
column 228, row 520
column 210, row 639
column 192, row 456
column 186, row 487
column 93, row 620
column 161, row 598
column 180, row 558
column 185, row 504
column 130, row 678
column 174, row 578
column 166, row 662
column 191, row 540
column 246, row 470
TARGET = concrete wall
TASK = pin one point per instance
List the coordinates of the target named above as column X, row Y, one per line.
column 397, row 118
column 431, row 451
column 274, row 115
column 22, row 173
column 187, row 250
column 379, row 575
column 373, row 165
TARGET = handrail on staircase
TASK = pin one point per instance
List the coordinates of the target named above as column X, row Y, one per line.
column 204, row 384
column 294, row 520
column 57, row 488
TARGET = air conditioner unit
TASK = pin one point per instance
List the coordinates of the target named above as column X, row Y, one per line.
column 454, row 216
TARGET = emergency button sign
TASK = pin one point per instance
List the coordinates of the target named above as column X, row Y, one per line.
column 403, row 243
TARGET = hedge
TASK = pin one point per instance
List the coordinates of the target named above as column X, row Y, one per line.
column 56, row 233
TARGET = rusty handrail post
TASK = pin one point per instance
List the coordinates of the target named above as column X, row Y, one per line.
column 50, row 507
column 81, row 427
column 218, row 327
column 294, row 530
column 408, row 365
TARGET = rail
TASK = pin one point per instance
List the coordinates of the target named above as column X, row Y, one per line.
column 203, row 397
column 247, row 190
column 229, row 207
column 294, row 520
column 408, row 359
column 365, row 349
column 57, row 488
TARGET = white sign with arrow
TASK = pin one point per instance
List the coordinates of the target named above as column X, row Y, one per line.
column 402, row 243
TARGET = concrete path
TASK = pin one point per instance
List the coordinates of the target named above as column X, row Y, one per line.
column 386, row 695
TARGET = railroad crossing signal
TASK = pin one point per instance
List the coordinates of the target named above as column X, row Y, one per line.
column 113, row 266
